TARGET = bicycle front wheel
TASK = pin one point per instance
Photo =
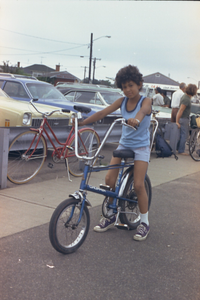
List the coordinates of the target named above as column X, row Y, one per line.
column 88, row 143
column 65, row 233
column 131, row 215
column 194, row 144
column 25, row 159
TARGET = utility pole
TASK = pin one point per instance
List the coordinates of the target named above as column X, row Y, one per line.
column 94, row 67
column 90, row 61
column 84, row 71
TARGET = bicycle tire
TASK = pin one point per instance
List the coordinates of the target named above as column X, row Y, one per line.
column 20, row 168
column 133, row 220
column 64, row 236
column 76, row 165
column 194, row 144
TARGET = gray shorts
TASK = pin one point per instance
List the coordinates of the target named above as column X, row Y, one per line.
column 142, row 153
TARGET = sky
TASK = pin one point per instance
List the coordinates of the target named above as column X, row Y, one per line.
column 155, row 36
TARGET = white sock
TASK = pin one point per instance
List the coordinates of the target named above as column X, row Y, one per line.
column 144, row 218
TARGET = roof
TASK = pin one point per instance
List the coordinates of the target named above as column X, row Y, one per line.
column 61, row 75
column 159, row 78
column 37, row 68
column 65, row 87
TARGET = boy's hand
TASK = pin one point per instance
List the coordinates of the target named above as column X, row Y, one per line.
column 133, row 122
column 80, row 123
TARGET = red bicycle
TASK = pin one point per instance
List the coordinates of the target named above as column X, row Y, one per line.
column 28, row 150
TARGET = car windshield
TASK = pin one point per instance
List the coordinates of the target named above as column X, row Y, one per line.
column 2, row 94
column 44, row 91
column 111, row 97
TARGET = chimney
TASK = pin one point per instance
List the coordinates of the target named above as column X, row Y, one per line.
column 57, row 68
column 18, row 64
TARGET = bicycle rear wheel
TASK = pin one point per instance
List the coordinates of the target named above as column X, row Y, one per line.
column 132, row 217
column 24, row 164
column 194, row 144
column 88, row 143
column 64, row 233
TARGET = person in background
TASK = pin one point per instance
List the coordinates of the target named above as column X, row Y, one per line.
column 158, row 98
column 176, row 97
column 167, row 101
column 182, row 117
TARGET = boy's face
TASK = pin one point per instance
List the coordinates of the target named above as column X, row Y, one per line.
column 131, row 89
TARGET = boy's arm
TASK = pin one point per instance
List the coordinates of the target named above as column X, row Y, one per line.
column 102, row 113
column 144, row 110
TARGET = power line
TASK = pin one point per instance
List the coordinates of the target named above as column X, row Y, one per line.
column 37, row 52
column 41, row 38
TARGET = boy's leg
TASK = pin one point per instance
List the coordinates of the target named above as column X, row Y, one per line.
column 140, row 169
column 111, row 177
column 112, row 174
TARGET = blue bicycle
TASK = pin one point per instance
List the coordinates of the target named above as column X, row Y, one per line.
column 70, row 222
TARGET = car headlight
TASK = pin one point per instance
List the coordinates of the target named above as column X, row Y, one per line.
column 26, row 119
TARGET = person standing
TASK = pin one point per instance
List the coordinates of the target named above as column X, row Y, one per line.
column 182, row 117
column 176, row 97
column 167, row 101
column 158, row 98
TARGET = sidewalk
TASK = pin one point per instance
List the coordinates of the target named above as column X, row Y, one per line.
column 32, row 204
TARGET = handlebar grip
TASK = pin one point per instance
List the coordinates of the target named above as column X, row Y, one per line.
column 35, row 99
column 65, row 110
column 134, row 127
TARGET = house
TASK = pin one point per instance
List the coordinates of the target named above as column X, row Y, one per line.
column 159, row 80
column 51, row 75
column 55, row 77
column 37, row 70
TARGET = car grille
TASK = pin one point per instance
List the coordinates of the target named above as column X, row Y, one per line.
column 52, row 122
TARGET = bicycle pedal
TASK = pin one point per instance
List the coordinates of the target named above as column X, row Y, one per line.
column 101, row 156
column 122, row 226
column 50, row 165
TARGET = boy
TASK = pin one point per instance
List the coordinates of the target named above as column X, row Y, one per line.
column 137, row 110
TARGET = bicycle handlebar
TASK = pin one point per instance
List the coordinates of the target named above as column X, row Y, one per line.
column 48, row 114
column 119, row 120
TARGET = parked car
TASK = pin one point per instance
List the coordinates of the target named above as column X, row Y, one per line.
column 15, row 113
column 25, row 88
column 89, row 94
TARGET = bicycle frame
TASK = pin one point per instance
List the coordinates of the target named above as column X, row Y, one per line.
column 42, row 129
column 108, row 193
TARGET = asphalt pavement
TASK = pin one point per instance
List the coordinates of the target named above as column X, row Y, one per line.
column 108, row 265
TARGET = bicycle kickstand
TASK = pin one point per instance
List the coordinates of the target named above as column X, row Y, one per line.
column 68, row 170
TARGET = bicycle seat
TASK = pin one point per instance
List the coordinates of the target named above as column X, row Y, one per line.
column 126, row 153
column 82, row 109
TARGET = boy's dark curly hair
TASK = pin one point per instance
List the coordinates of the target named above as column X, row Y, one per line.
column 191, row 89
column 128, row 73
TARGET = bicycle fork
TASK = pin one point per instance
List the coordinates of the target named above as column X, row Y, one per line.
column 81, row 197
